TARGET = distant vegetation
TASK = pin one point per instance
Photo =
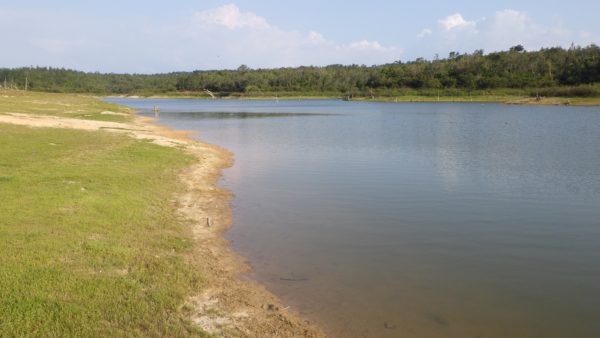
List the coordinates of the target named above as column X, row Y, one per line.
column 572, row 72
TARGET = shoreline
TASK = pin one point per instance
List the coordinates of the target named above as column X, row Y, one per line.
column 501, row 99
column 228, row 304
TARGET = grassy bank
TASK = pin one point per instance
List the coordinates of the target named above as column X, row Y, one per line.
column 63, row 105
column 89, row 242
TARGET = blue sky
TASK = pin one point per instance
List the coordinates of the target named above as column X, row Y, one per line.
column 161, row 36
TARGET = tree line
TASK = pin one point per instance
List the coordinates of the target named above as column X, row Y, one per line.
column 549, row 72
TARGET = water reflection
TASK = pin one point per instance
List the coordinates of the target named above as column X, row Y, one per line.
column 229, row 115
column 419, row 220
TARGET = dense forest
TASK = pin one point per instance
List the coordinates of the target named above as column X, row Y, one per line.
column 547, row 72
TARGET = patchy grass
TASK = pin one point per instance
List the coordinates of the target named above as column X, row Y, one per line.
column 89, row 242
column 64, row 105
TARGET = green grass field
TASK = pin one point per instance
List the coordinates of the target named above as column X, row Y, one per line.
column 63, row 105
column 89, row 242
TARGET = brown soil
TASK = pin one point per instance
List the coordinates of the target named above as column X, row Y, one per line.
column 542, row 101
column 229, row 306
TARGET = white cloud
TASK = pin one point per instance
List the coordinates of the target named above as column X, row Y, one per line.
column 512, row 18
column 260, row 44
column 455, row 21
column 217, row 38
column 510, row 25
column 316, row 37
column 232, row 17
column 504, row 29
column 425, row 32
column 367, row 45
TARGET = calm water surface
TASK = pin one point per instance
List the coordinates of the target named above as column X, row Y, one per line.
column 414, row 220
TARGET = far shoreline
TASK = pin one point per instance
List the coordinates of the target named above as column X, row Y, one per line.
column 501, row 99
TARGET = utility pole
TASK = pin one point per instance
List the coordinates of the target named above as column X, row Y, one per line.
column 26, row 82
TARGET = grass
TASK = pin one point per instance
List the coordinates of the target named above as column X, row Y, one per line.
column 64, row 105
column 89, row 242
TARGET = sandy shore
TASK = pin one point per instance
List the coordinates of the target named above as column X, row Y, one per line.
column 229, row 305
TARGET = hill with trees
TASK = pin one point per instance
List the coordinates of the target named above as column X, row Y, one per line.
column 573, row 72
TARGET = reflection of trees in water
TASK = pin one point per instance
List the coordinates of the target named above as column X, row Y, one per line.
column 234, row 115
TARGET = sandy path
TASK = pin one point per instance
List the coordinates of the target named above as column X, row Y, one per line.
column 229, row 306
column 139, row 129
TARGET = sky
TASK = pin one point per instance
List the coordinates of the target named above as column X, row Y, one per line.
column 182, row 35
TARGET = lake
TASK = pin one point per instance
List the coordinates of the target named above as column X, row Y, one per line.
column 414, row 219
